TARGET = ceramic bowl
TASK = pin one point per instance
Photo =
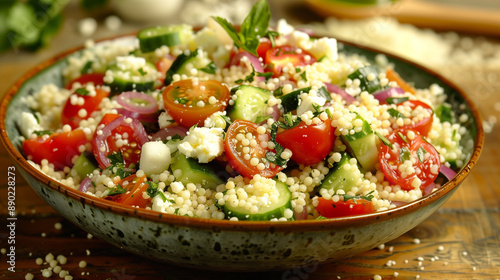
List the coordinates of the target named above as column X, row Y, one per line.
column 226, row 245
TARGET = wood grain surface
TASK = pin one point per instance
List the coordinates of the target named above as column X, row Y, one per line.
column 459, row 241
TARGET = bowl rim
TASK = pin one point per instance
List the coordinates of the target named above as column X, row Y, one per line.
column 217, row 225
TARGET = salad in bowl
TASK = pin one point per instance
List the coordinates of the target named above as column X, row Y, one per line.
column 247, row 123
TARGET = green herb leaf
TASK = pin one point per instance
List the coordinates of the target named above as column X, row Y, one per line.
column 323, row 92
column 117, row 165
column 421, row 154
column 402, row 137
column 153, row 190
column 254, row 26
column 209, row 68
column 384, row 140
column 142, row 72
column 82, row 91
column 249, row 78
column 117, row 190
column 182, row 100
column 395, row 113
column 303, row 76
column 266, row 75
column 396, row 100
column 404, row 154
column 87, row 67
column 42, row 132
column 260, row 119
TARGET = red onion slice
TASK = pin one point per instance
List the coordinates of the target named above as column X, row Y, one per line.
column 100, row 140
column 382, row 95
column 149, row 118
column 427, row 190
column 447, row 172
column 85, row 184
column 138, row 102
column 340, row 91
column 170, row 131
column 256, row 63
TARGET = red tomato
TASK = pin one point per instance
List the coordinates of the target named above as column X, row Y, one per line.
column 95, row 78
column 309, row 144
column 330, row 209
column 264, row 45
column 278, row 57
column 422, row 154
column 233, row 149
column 59, row 148
column 113, row 128
column 71, row 112
column 182, row 100
column 162, row 66
column 134, row 196
column 425, row 125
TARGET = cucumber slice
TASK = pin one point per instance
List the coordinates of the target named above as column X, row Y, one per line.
column 195, row 172
column 340, row 178
column 290, row 101
column 132, row 80
column 251, row 102
column 274, row 210
column 84, row 165
column 370, row 85
column 152, row 38
column 363, row 145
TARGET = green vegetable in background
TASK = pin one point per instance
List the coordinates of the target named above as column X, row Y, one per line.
column 29, row 24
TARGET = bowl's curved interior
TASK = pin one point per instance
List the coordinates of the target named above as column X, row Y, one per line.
column 405, row 217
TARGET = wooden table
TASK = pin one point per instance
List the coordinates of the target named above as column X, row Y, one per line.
column 459, row 241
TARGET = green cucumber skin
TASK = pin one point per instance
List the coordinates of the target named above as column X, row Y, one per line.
column 338, row 178
column 363, row 145
column 149, row 44
column 290, row 101
column 195, row 172
column 120, row 85
column 276, row 212
column 365, row 84
column 250, row 104
column 84, row 165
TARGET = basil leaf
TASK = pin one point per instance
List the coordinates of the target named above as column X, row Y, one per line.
column 253, row 28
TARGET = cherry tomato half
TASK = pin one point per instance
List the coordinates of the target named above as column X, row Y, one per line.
column 424, row 125
column 59, row 148
column 96, row 78
column 80, row 105
column 190, row 102
column 331, row 209
column 118, row 133
column 279, row 57
column 424, row 157
column 241, row 157
column 309, row 144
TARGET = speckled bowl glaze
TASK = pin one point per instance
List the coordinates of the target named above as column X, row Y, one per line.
column 226, row 245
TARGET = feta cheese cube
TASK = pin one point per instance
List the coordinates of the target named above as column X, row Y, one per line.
column 203, row 143
column 155, row 157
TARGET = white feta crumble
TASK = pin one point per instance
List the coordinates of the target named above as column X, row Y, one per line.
column 203, row 143
column 308, row 100
column 165, row 119
column 28, row 124
column 155, row 157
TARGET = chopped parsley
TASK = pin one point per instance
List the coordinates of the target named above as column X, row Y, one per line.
column 384, row 140
column 396, row 100
column 117, row 165
column 402, row 137
column 303, row 76
column 182, row 100
column 87, row 67
column 421, row 154
column 404, row 154
column 395, row 113
column 42, row 132
column 209, row 68
column 249, row 78
column 153, row 190
column 142, row 72
column 82, row 91
column 369, row 196
column 117, row 190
